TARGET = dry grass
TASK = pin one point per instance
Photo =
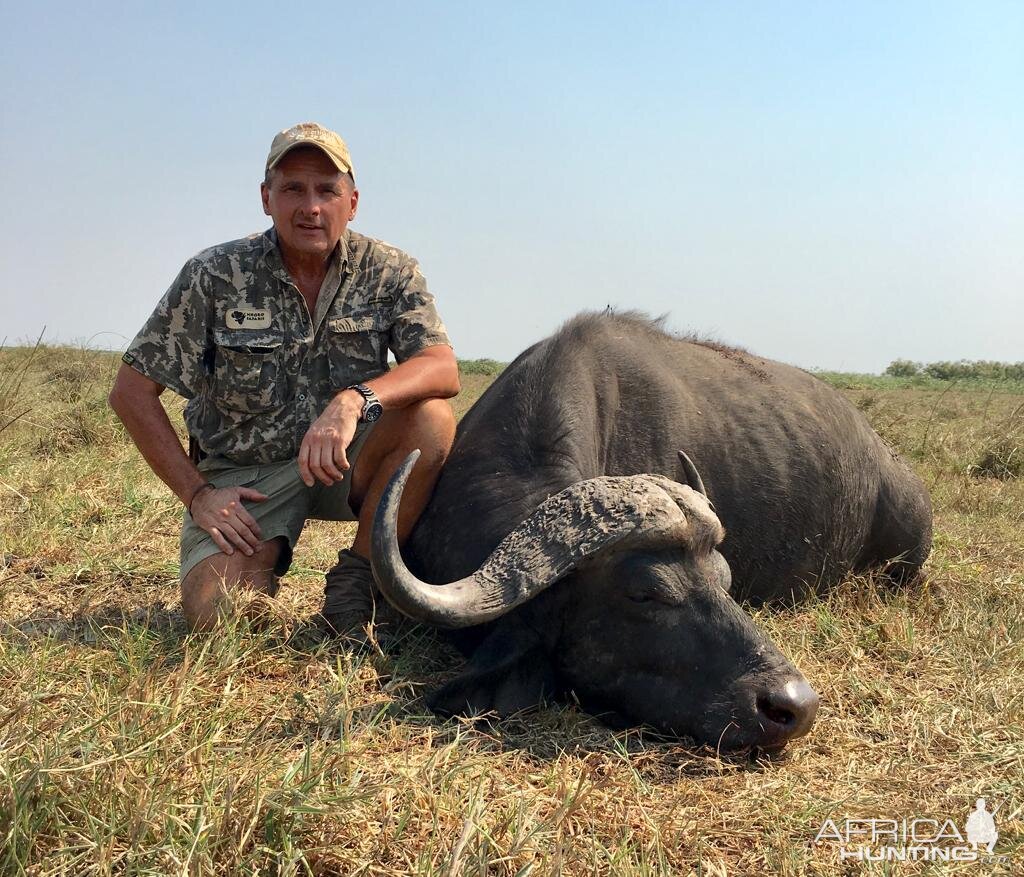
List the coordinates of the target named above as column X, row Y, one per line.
column 129, row 746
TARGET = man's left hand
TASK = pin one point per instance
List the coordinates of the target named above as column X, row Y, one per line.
column 322, row 454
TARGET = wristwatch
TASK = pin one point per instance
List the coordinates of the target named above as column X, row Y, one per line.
column 372, row 409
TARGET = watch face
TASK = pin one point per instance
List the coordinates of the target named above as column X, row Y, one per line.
column 373, row 412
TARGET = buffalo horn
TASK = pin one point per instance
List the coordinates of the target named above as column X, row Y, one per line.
column 692, row 475
column 590, row 517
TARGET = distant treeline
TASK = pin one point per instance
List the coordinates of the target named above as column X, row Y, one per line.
column 481, row 366
column 964, row 370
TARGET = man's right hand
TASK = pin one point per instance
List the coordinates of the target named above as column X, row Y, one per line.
column 220, row 513
column 136, row 399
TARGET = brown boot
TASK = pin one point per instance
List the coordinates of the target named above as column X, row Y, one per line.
column 351, row 598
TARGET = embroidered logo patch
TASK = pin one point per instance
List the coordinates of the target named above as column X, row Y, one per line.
column 246, row 318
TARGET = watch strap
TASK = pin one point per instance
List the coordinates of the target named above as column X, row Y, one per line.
column 369, row 398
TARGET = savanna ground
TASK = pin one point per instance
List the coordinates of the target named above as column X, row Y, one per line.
column 129, row 746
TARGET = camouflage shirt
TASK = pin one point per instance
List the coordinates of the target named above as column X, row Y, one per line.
column 233, row 335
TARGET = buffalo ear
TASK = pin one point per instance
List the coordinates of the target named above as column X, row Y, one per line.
column 509, row 672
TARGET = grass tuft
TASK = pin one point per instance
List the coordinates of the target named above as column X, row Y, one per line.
column 1003, row 461
column 1001, row 455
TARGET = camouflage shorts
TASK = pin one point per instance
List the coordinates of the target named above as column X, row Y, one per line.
column 284, row 513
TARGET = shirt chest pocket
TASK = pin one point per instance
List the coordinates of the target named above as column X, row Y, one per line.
column 358, row 348
column 248, row 369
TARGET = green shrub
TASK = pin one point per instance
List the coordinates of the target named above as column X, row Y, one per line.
column 903, row 368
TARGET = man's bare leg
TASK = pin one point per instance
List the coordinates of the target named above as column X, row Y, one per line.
column 209, row 581
column 430, row 426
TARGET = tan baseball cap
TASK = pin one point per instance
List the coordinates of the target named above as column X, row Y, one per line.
column 311, row 134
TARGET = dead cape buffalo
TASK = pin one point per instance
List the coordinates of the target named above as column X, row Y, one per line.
column 588, row 559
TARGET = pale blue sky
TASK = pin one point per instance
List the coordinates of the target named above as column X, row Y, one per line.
column 831, row 184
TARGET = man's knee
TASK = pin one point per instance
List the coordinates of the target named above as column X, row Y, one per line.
column 204, row 588
column 428, row 425
column 437, row 422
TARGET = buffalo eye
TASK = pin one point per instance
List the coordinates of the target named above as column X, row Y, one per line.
column 649, row 595
column 642, row 579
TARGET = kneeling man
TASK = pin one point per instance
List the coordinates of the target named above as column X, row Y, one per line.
column 280, row 341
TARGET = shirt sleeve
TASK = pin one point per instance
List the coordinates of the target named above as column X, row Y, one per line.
column 171, row 345
column 416, row 323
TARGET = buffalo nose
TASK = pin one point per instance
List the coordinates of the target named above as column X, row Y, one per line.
column 787, row 711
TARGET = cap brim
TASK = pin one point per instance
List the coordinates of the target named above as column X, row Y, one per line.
column 340, row 165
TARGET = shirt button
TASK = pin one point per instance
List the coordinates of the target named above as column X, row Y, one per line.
column 302, row 397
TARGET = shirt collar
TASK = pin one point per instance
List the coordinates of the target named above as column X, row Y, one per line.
column 272, row 254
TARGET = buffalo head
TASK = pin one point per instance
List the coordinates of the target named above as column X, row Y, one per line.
column 640, row 630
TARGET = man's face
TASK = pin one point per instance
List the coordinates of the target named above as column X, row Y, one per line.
column 310, row 201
